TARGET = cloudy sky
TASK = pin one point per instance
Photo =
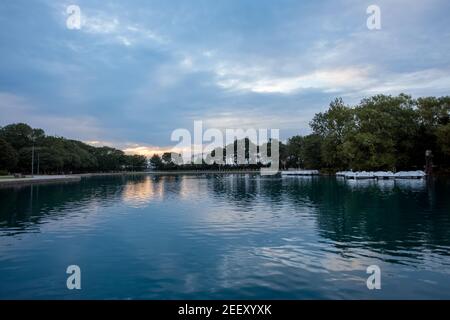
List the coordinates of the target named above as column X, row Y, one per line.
column 137, row 70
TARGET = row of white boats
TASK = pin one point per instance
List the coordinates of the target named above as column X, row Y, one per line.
column 300, row 173
column 381, row 174
column 362, row 174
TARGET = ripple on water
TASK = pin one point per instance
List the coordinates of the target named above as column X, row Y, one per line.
column 227, row 236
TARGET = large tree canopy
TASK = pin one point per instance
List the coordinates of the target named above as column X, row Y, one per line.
column 383, row 132
column 8, row 156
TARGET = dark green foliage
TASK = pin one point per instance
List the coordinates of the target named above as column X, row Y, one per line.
column 156, row 162
column 304, row 152
column 8, row 156
column 381, row 133
column 60, row 155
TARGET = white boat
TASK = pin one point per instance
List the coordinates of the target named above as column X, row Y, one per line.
column 365, row 175
column 410, row 175
column 359, row 175
column 349, row 174
column 300, row 172
column 342, row 173
column 381, row 175
column 384, row 175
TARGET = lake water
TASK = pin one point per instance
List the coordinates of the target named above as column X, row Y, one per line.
column 226, row 237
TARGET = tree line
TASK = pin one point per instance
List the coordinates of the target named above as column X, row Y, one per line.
column 382, row 132
column 251, row 158
column 57, row 154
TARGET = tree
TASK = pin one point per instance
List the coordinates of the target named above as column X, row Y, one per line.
column 335, row 121
column 8, row 156
column 57, row 154
column 109, row 159
column 295, row 156
column 434, row 116
column 333, row 125
column 156, row 162
column 17, row 135
column 311, row 150
column 390, row 125
column 136, row 162
column 443, row 138
column 381, row 132
column 366, row 151
column 304, row 152
column 433, row 111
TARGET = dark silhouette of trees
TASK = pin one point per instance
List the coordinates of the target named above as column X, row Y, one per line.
column 8, row 156
column 382, row 132
column 59, row 155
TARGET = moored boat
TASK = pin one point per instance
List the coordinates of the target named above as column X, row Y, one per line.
column 384, row 175
column 381, row 175
column 300, row 172
column 410, row 174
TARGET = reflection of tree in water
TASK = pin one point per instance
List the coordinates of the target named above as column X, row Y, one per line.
column 386, row 216
column 246, row 189
column 383, row 215
column 403, row 216
column 22, row 206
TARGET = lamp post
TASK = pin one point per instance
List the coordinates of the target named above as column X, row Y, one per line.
column 32, row 161
column 32, row 138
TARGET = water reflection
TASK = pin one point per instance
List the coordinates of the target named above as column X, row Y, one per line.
column 140, row 193
column 384, row 215
column 21, row 207
column 235, row 234
column 417, row 185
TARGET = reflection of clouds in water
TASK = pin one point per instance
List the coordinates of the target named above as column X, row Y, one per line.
column 243, row 269
column 232, row 222
column 45, row 210
column 73, row 222
column 239, row 204
column 192, row 282
column 312, row 257
column 294, row 263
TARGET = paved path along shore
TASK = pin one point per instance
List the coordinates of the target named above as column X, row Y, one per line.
column 38, row 179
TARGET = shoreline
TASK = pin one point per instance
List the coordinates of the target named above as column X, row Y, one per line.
column 11, row 182
column 175, row 172
column 46, row 179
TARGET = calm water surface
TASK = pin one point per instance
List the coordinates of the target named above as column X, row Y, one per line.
column 226, row 236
